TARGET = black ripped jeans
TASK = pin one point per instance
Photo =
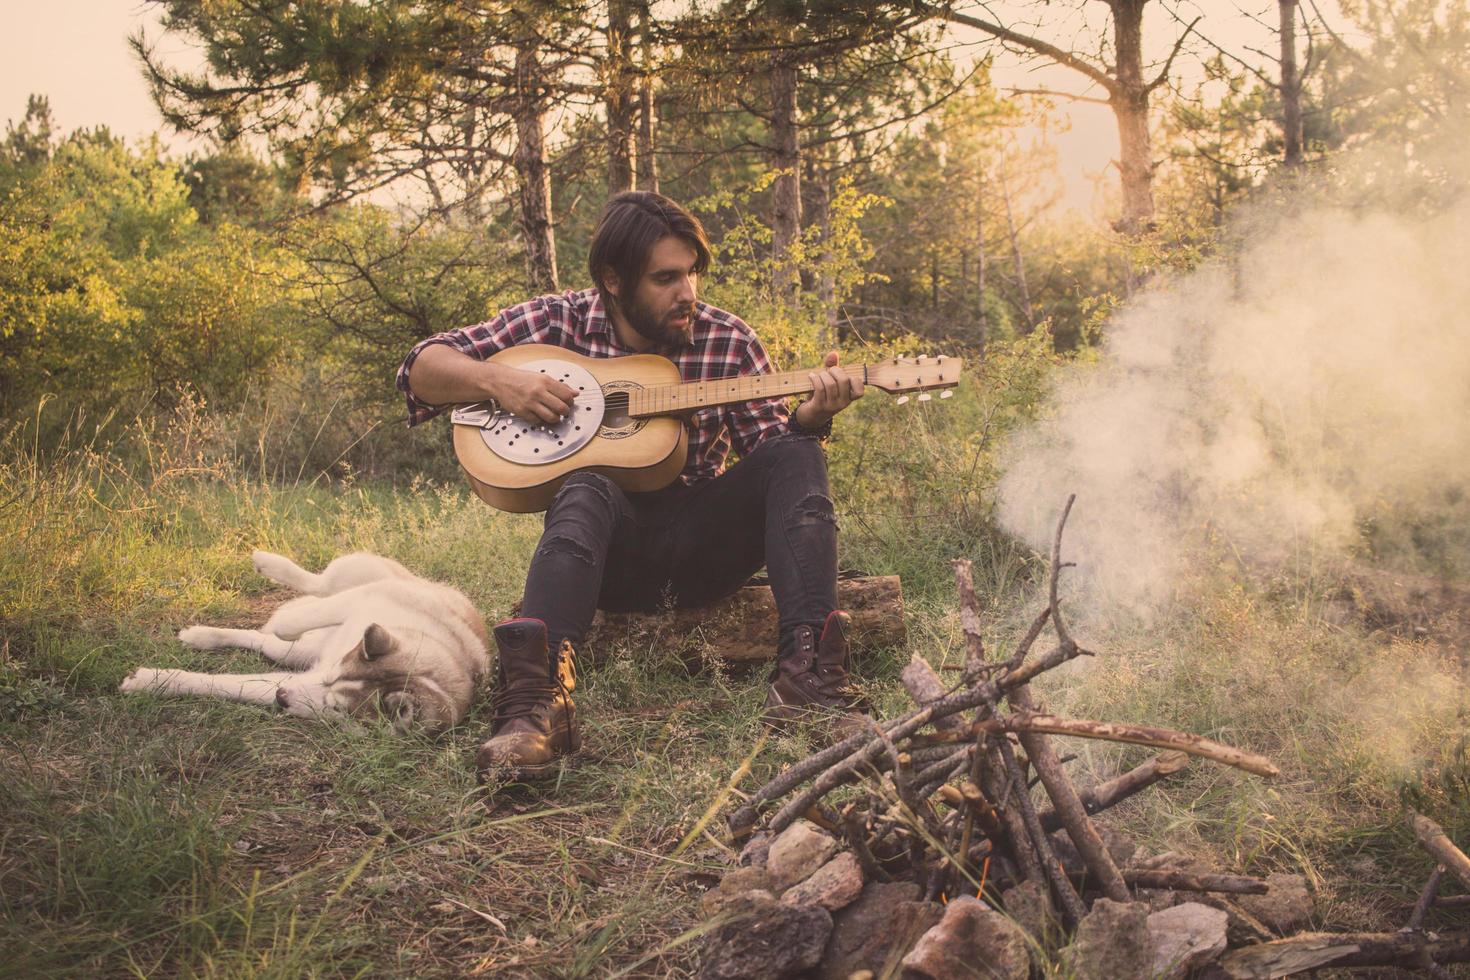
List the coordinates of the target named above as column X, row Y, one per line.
column 690, row 545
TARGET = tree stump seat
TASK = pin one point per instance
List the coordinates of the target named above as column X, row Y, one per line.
column 740, row 631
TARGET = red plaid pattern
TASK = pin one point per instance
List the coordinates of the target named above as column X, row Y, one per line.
column 722, row 346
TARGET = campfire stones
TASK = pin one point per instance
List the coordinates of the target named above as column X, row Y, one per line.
column 799, row 851
column 1030, row 905
column 755, row 851
column 1120, row 846
column 735, row 887
column 1286, row 908
column 971, row 939
column 1112, row 943
column 876, row 930
column 763, row 939
column 832, row 886
column 1184, row 938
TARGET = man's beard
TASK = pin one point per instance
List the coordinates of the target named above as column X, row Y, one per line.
column 657, row 329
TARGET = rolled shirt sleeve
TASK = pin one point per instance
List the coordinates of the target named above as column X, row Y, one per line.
column 539, row 321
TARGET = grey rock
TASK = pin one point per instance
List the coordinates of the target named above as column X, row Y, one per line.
column 1286, row 908
column 1119, row 845
column 801, row 849
column 735, row 883
column 876, row 930
column 1030, row 905
column 765, row 939
column 971, row 940
column 1185, row 938
column 754, row 853
column 832, row 886
column 1112, row 942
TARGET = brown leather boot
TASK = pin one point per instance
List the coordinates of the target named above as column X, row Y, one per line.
column 534, row 721
column 811, row 682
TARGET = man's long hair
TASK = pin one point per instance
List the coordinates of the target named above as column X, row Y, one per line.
column 631, row 224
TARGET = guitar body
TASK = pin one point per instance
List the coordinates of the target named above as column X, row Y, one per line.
column 637, row 454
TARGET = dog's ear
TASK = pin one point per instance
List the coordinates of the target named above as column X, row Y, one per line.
column 377, row 642
column 399, row 706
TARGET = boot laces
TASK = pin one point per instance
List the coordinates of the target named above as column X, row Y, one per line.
column 521, row 699
column 835, row 687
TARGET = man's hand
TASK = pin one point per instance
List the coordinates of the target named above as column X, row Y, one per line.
column 832, row 391
column 535, row 397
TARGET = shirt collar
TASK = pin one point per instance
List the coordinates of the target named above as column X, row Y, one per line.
column 600, row 324
column 597, row 322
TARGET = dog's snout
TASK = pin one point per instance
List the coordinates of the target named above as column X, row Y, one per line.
column 281, row 698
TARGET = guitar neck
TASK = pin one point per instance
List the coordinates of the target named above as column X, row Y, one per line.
column 693, row 395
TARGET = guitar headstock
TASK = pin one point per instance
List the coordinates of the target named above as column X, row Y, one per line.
column 922, row 373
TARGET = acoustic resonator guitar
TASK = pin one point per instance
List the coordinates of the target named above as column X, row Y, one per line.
column 627, row 419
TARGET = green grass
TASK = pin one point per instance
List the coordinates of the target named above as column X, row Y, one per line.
column 157, row 838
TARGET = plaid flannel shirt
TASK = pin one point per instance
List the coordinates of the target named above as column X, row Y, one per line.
column 721, row 346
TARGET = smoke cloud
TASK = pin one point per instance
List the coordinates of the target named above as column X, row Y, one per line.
column 1261, row 407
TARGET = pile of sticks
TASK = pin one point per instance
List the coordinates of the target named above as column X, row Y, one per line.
column 949, row 799
column 947, row 802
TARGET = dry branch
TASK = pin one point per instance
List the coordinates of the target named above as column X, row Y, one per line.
column 925, row 687
column 1426, row 898
column 1284, row 957
column 1111, row 731
column 1432, row 838
column 1116, row 790
column 1184, row 881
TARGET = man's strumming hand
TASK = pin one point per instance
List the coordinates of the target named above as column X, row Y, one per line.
column 533, row 396
column 832, row 391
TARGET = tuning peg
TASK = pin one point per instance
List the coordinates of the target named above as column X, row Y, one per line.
column 902, row 400
column 946, row 393
column 924, row 397
column 941, row 358
column 921, row 358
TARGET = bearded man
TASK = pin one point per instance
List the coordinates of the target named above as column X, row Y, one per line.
column 693, row 542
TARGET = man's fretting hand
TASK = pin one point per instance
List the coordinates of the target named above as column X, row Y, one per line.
column 534, row 397
column 832, row 391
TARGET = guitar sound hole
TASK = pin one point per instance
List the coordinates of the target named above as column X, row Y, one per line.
column 615, row 411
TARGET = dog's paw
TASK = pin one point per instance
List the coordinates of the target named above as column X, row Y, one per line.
column 270, row 564
column 199, row 637
column 142, row 679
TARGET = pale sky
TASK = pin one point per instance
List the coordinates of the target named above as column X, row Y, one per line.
column 76, row 52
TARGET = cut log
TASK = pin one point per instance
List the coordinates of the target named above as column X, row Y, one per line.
column 741, row 630
column 1284, row 957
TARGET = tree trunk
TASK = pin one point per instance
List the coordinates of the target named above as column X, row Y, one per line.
column 1129, row 103
column 786, row 192
column 647, row 162
column 1023, row 292
column 826, row 282
column 1291, row 87
column 980, row 270
column 533, row 177
column 618, row 97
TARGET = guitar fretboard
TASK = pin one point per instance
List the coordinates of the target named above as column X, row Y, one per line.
column 691, row 395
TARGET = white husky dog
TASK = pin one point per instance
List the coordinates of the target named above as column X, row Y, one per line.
column 367, row 636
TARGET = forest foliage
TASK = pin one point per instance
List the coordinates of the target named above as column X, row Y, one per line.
column 380, row 173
